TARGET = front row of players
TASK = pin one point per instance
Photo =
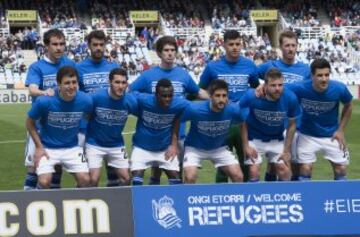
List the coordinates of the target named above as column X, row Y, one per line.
column 267, row 117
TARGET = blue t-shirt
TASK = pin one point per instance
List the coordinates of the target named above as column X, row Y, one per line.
column 238, row 75
column 94, row 75
column 292, row 72
column 108, row 118
column 43, row 73
column 267, row 118
column 181, row 80
column 320, row 109
column 154, row 125
column 59, row 119
column 210, row 129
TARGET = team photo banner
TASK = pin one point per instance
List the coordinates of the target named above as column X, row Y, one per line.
column 10, row 96
column 233, row 210
column 80, row 212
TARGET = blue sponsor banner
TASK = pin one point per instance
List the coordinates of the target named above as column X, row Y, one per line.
column 233, row 210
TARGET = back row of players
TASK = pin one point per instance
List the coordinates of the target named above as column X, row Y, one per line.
column 257, row 123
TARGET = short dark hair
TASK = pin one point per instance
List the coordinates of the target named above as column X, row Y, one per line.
column 231, row 35
column 170, row 40
column 272, row 73
column 163, row 83
column 66, row 71
column 287, row 34
column 52, row 33
column 319, row 64
column 216, row 85
column 97, row 34
column 118, row 71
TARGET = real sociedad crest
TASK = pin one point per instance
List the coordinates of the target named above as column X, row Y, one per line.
column 164, row 213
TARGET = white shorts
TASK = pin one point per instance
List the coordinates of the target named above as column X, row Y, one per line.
column 81, row 139
column 293, row 147
column 142, row 159
column 29, row 151
column 308, row 146
column 115, row 156
column 219, row 157
column 271, row 150
column 72, row 160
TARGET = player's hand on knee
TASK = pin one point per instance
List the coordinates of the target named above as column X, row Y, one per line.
column 251, row 153
column 171, row 152
column 286, row 157
column 339, row 136
column 39, row 153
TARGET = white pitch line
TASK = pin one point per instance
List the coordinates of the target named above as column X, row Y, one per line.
column 23, row 141
column 12, row 141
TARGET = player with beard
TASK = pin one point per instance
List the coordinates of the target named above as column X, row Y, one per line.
column 210, row 124
column 240, row 74
column 292, row 71
column 94, row 75
column 262, row 134
column 104, row 140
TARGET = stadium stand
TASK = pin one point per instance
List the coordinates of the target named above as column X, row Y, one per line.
column 197, row 27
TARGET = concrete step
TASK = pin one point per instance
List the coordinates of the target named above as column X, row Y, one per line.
column 29, row 57
column 154, row 58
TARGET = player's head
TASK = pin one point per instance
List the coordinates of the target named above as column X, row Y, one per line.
column 96, row 42
column 320, row 73
column 54, row 41
column 288, row 42
column 166, row 49
column 164, row 92
column 218, row 91
column 67, row 81
column 274, row 83
column 232, row 44
column 118, row 80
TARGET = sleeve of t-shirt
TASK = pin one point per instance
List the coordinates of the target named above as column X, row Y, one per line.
column 133, row 105
column 346, row 96
column 238, row 116
column 254, row 75
column 71, row 63
column 81, row 79
column 139, row 84
column 89, row 104
column 205, row 78
column 308, row 74
column 262, row 69
column 37, row 108
column 191, row 86
column 245, row 100
column 183, row 104
column 294, row 87
column 294, row 106
column 187, row 113
column 34, row 76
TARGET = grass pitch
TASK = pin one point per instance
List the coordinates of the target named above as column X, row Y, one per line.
column 13, row 134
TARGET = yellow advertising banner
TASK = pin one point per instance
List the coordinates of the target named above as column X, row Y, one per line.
column 21, row 15
column 144, row 16
column 264, row 15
